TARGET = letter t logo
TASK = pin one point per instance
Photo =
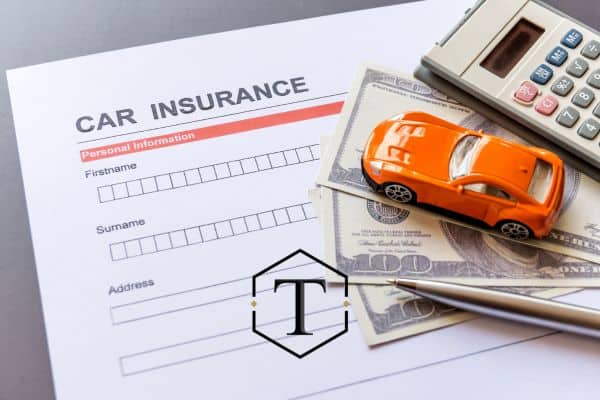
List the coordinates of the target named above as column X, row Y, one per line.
column 299, row 295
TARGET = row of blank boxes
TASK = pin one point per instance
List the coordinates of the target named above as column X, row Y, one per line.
column 208, row 173
column 209, row 232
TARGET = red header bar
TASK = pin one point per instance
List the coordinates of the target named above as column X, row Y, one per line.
column 227, row 128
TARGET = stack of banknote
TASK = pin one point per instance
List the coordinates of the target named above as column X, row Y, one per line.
column 372, row 239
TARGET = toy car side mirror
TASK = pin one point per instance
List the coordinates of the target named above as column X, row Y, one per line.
column 460, row 189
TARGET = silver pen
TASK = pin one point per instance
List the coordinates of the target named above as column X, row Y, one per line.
column 530, row 310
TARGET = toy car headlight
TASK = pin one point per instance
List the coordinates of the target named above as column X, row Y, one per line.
column 376, row 167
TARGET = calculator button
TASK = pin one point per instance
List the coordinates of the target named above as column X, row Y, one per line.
column 589, row 129
column 594, row 79
column 591, row 49
column 568, row 117
column 526, row 93
column 542, row 74
column 597, row 111
column 572, row 38
column 583, row 97
column 547, row 105
column 558, row 56
column 578, row 67
column 563, row 86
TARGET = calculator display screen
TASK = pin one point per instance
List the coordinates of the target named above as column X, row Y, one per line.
column 512, row 48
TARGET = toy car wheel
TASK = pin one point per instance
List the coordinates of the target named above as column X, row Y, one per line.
column 399, row 193
column 514, row 230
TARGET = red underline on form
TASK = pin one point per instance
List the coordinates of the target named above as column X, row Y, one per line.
column 208, row 132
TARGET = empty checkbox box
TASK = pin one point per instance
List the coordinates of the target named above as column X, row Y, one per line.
column 235, row 167
column 134, row 188
column 208, row 232
column 277, row 159
column 249, row 165
column 316, row 151
column 263, row 162
column 162, row 242
column 304, row 154
column 105, row 194
column 223, row 229
column 178, row 239
column 291, row 157
column 132, row 248
column 147, row 245
column 117, row 251
column 178, row 179
column 149, row 185
column 309, row 211
column 281, row 217
column 208, row 173
column 239, row 226
column 193, row 176
column 295, row 213
column 266, row 219
column 163, row 182
column 193, row 235
column 222, row 171
column 120, row 191
column 252, row 223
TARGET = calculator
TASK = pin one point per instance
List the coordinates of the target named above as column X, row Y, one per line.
column 532, row 63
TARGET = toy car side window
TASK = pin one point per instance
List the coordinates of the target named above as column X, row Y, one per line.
column 489, row 190
column 476, row 187
column 497, row 192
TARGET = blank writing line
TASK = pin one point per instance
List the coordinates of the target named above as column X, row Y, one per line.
column 419, row 367
column 234, row 349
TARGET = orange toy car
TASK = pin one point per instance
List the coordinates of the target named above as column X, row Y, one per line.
column 418, row 158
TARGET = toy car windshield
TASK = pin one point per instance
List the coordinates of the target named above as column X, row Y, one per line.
column 463, row 156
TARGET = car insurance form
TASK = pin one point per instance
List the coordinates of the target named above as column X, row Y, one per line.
column 160, row 178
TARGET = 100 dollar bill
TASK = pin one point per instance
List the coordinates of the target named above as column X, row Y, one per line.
column 379, row 93
column 371, row 242
column 386, row 313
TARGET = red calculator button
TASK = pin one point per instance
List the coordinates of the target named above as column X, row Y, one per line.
column 526, row 93
column 547, row 105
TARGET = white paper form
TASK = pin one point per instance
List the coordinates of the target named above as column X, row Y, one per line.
column 160, row 178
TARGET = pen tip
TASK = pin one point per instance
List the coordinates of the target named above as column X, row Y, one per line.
column 406, row 283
